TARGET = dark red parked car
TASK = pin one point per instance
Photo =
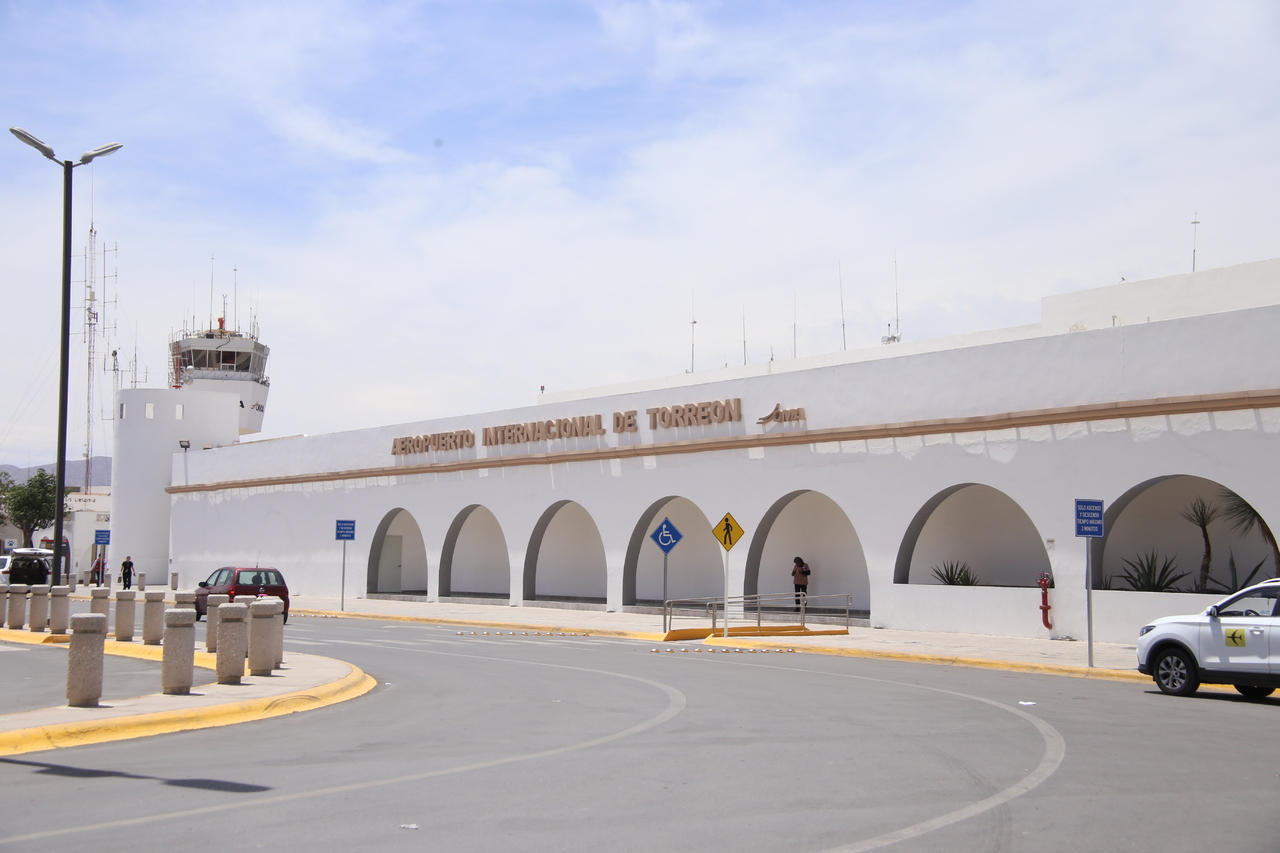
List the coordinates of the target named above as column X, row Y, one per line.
column 242, row 583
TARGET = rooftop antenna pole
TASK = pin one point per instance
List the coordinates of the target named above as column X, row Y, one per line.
column 844, row 342
column 210, row 326
column 693, row 322
column 744, row 335
column 794, row 300
column 897, row 330
column 235, row 295
column 1195, row 226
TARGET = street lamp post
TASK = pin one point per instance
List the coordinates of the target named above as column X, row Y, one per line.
column 67, row 166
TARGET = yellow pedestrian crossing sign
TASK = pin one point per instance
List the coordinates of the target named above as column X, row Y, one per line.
column 727, row 531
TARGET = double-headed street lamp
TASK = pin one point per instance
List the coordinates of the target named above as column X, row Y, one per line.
column 67, row 166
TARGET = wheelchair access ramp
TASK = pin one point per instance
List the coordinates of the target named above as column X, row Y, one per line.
column 769, row 615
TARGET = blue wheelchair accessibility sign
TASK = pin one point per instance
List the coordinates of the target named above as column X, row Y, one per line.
column 666, row 536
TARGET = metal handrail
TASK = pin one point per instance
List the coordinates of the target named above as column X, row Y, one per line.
column 709, row 607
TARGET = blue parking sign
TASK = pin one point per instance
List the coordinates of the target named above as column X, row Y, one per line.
column 346, row 530
column 1089, row 519
column 666, row 536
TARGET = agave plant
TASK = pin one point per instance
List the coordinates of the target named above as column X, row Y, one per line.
column 1243, row 518
column 955, row 573
column 1202, row 514
column 1150, row 573
column 1236, row 584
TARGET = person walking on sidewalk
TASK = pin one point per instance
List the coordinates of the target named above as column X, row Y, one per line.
column 126, row 573
column 800, row 577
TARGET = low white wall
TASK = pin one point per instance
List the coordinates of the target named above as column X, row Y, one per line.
column 1118, row 615
column 1001, row 611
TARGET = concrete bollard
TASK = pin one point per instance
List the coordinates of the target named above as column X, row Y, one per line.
column 153, row 617
column 100, row 600
column 39, row 620
column 178, row 668
column 4, row 603
column 173, row 580
column 233, row 639
column 125, row 615
column 141, row 579
column 212, row 603
column 184, row 601
column 59, row 609
column 262, row 647
column 277, row 631
column 71, row 583
column 17, row 610
column 108, row 579
column 84, row 663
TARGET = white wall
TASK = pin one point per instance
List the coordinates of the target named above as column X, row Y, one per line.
column 815, row 528
column 145, row 463
column 480, row 557
column 987, row 529
column 571, row 560
column 695, row 568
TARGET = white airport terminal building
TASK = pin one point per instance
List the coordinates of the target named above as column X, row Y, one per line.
column 875, row 466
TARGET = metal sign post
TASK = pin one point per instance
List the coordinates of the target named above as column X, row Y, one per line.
column 346, row 532
column 1089, row 525
column 727, row 532
column 666, row 537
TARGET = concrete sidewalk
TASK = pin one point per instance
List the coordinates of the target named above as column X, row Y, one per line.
column 1063, row 657
column 304, row 682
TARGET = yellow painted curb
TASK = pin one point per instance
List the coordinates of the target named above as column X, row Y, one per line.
column 943, row 660
column 40, row 738
column 477, row 623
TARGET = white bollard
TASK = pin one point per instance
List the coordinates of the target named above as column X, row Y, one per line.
column 184, row 601
column 153, row 617
column 277, row 631
column 4, row 603
column 233, row 638
column 262, row 648
column 125, row 615
column 100, row 600
column 173, row 580
column 141, row 578
column 84, row 662
column 178, row 662
column 39, row 620
column 59, row 609
column 71, row 582
column 17, row 606
column 212, row 603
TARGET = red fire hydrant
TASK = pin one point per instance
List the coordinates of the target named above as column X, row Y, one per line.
column 1044, row 599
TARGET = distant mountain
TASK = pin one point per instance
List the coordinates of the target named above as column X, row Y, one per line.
column 75, row 471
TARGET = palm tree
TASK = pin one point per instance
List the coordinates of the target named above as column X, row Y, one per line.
column 1243, row 517
column 1202, row 514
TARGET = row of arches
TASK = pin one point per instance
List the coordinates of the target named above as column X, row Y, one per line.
column 968, row 523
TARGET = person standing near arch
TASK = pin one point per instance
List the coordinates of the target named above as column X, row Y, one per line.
column 800, row 577
column 126, row 573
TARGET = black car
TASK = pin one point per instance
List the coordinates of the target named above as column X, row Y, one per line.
column 29, row 566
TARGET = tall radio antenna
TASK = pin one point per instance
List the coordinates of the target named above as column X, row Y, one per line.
column 693, row 322
column 1195, row 226
column 844, row 343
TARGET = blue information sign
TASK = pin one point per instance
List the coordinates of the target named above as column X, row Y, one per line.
column 102, row 537
column 666, row 536
column 1089, row 519
column 346, row 530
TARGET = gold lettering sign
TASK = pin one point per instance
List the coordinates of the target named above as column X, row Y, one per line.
column 411, row 444
column 581, row 426
column 780, row 415
column 695, row 414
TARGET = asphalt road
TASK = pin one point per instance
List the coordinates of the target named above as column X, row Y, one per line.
column 483, row 743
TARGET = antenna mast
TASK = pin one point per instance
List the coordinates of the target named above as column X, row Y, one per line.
column 693, row 322
column 844, row 343
column 794, row 301
column 744, row 335
column 1195, row 226
column 893, row 334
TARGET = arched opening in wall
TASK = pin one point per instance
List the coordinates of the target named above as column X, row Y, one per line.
column 475, row 562
column 397, row 556
column 695, row 568
column 1149, row 544
column 812, row 526
column 565, row 560
column 971, row 534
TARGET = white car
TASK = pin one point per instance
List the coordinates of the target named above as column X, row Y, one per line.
column 1236, row 642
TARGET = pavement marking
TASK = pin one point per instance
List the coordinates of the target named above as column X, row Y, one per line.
column 676, row 702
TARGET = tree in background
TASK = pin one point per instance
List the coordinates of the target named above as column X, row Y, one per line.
column 32, row 505
column 6, row 483
column 1202, row 514
column 1243, row 517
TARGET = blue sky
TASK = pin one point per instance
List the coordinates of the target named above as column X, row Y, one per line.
column 438, row 207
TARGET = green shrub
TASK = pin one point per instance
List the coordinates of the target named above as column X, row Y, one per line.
column 1151, row 573
column 955, row 573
